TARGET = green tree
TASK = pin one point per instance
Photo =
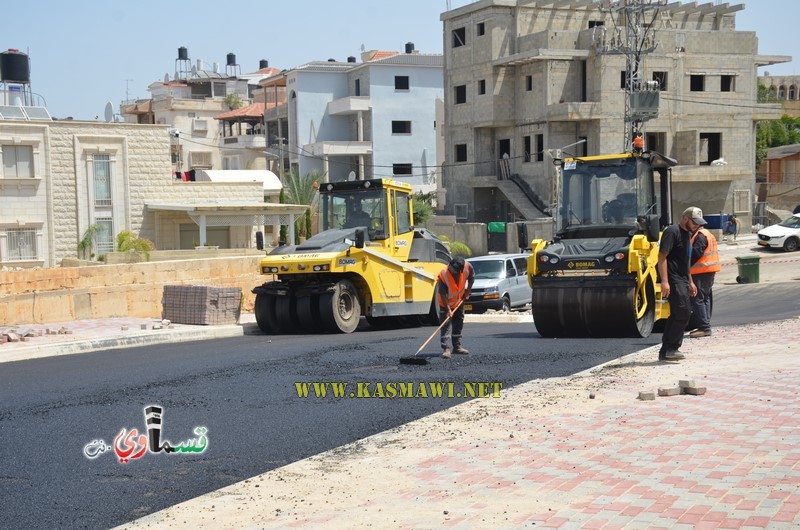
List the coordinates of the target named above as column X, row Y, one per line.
column 282, row 233
column 303, row 190
column 775, row 133
column 234, row 101
column 423, row 207
column 86, row 243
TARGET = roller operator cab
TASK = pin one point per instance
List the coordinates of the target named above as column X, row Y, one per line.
column 598, row 276
column 368, row 259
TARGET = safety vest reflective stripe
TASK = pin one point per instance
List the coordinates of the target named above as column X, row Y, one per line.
column 455, row 287
column 709, row 261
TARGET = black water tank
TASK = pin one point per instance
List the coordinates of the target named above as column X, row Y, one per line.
column 351, row 59
column 263, row 63
column 231, row 59
column 409, row 47
column 183, row 53
column 331, row 60
column 15, row 66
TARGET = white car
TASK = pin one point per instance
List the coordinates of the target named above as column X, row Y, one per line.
column 785, row 235
column 501, row 283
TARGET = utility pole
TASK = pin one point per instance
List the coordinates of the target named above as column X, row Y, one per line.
column 641, row 95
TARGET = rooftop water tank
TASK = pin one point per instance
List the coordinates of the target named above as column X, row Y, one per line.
column 15, row 66
column 183, row 53
column 409, row 47
column 231, row 59
column 263, row 63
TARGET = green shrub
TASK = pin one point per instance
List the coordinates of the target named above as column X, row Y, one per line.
column 127, row 240
column 457, row 248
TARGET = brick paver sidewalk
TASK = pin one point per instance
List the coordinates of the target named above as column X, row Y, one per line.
column 545, row 455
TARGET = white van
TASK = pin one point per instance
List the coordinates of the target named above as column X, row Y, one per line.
column 501, row 283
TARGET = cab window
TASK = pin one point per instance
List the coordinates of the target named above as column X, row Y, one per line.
column 403, row 212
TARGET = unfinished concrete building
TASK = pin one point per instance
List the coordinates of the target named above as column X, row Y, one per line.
column 526, row 77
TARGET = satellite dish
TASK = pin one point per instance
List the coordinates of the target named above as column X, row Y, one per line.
column 362, row 48
column 194, row 70
column 166, row 77
column 351, row 176
column 109, row 113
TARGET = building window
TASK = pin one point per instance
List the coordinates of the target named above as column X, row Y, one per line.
column 661, row 79
column 623, row 80
column 727, row 83
column 539, row 147
column 358, row 87
column 481, row 29
column 526, row 140
column 595, row 23
column 401, row 127
column 461, row 152
column 459, row 37
column 710, row 148
column 402, row 169
column 461, row 94
column 781, row 92
column 200, row 159
column 17, row 161
column 583, row 147
column 21, row 244
column 199, row 126
column 401, row 82
column 792, row 92
column 104, row 238
column 101, row 174
column 528, row 83
column 697, row 83
column 482, row 87
column 656, row 141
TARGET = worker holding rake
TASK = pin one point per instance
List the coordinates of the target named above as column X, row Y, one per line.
column 452, row 289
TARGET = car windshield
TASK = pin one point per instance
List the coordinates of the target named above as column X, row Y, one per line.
column 487, row 269
column 792, row 222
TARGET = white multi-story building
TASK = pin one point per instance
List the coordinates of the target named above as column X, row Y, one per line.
column 373, row 119
column 525, row 77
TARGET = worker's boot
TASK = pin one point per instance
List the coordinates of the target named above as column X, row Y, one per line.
column 446, row 352
column 461, row 350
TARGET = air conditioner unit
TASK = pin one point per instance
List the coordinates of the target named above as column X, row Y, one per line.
column 200, row 125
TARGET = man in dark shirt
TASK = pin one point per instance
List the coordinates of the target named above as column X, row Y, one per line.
column 674, row 253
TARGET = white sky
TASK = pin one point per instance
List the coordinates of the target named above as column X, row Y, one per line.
column 86, row 52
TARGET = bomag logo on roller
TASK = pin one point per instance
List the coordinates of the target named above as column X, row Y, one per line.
column 346, row 261
column 582, row 264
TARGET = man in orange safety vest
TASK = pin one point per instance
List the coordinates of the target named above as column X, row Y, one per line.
column 452, row 288
column 705, row 264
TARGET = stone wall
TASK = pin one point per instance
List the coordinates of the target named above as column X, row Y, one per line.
column 39, row 296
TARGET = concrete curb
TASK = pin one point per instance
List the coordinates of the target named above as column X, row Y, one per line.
column 164, row 336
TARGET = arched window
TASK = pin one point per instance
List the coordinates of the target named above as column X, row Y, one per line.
column 773, row 92
column 781, row 92
column 792, row 92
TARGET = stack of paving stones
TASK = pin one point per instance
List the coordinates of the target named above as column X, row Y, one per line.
column 14, row 334
column 685, row 386
column 201, row 305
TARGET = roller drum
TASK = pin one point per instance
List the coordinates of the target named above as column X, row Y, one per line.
column 589, row 307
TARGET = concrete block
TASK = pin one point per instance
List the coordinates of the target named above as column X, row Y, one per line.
column 694, row 390
column 684, row 383
column 647, row 396
column 672, row 391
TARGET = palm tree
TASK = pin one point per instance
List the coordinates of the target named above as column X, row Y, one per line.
column 303, row 190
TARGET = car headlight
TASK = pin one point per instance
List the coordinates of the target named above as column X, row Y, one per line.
column 490, row 290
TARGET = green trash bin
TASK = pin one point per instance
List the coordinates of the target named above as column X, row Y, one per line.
column 748, row 269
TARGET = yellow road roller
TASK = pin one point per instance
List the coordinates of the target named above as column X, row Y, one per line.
column 368, row 259
column 598, row 277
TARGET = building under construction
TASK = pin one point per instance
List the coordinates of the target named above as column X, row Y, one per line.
column 525, row 78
